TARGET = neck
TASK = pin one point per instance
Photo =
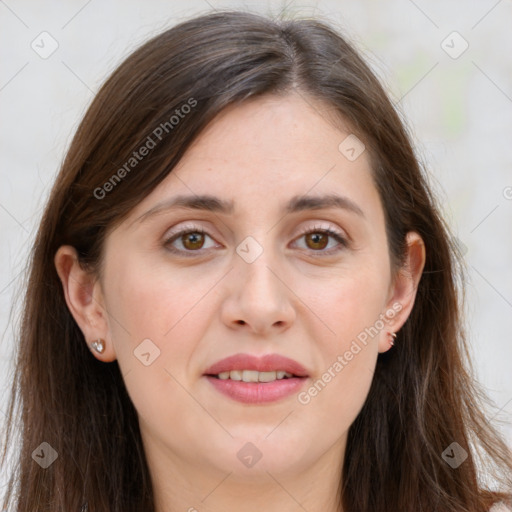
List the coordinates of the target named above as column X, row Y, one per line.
column 197, row 486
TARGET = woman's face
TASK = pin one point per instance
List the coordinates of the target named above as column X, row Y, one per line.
column 260, row 277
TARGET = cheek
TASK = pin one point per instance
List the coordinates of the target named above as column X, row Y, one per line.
column 157, row 315
column 348, row 302
column 154, row 319
column 349, row 356
column 336, row 397
column 152, row 301
column 353, row 312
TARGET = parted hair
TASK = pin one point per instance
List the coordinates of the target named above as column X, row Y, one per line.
column 423, row 396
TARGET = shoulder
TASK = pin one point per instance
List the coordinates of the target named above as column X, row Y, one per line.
column 500, row 507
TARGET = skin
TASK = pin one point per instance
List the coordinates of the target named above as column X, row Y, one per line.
column 291, row 300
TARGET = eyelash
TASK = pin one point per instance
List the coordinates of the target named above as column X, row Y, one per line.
column 192, row 229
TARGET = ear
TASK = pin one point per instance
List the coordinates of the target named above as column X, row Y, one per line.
column 84, row 298
column 403, row 289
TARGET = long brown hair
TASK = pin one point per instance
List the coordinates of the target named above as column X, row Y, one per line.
column 423, row 397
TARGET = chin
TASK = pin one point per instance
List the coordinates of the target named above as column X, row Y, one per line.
column 251, row 456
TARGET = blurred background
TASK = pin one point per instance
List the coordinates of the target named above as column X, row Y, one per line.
column 446, row 64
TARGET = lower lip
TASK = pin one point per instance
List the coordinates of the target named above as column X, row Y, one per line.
column 257, row 392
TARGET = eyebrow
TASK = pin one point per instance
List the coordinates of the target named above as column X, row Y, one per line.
column 216, row 205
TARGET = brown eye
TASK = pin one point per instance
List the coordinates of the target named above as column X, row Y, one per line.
column 318, row 241
column 189, row 241
column 193, row 240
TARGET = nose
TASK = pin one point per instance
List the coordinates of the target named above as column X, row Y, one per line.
column 259, row 299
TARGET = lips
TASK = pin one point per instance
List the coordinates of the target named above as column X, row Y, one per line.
column 265, row 389
column 267, row 363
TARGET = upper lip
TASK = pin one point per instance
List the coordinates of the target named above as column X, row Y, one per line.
column 267, row 363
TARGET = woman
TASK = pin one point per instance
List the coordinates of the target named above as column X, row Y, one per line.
column 242, row 295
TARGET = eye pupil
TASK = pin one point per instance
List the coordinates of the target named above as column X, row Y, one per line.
column 195, row 239
column 318, row 238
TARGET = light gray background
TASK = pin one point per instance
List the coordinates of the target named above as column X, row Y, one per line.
column 459, row 110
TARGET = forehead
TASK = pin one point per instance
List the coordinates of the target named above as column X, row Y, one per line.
column 266, row 152
column 273, row 129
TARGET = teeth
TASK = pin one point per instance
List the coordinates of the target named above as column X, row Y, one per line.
column 250, row 376
column 235, row 375
column 254, row 376
column 265, row 376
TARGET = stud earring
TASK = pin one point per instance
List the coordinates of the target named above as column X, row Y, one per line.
column 98, row 345
column 392, row 338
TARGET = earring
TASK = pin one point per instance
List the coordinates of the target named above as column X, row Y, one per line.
column 98, row 345
column 392, row 339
